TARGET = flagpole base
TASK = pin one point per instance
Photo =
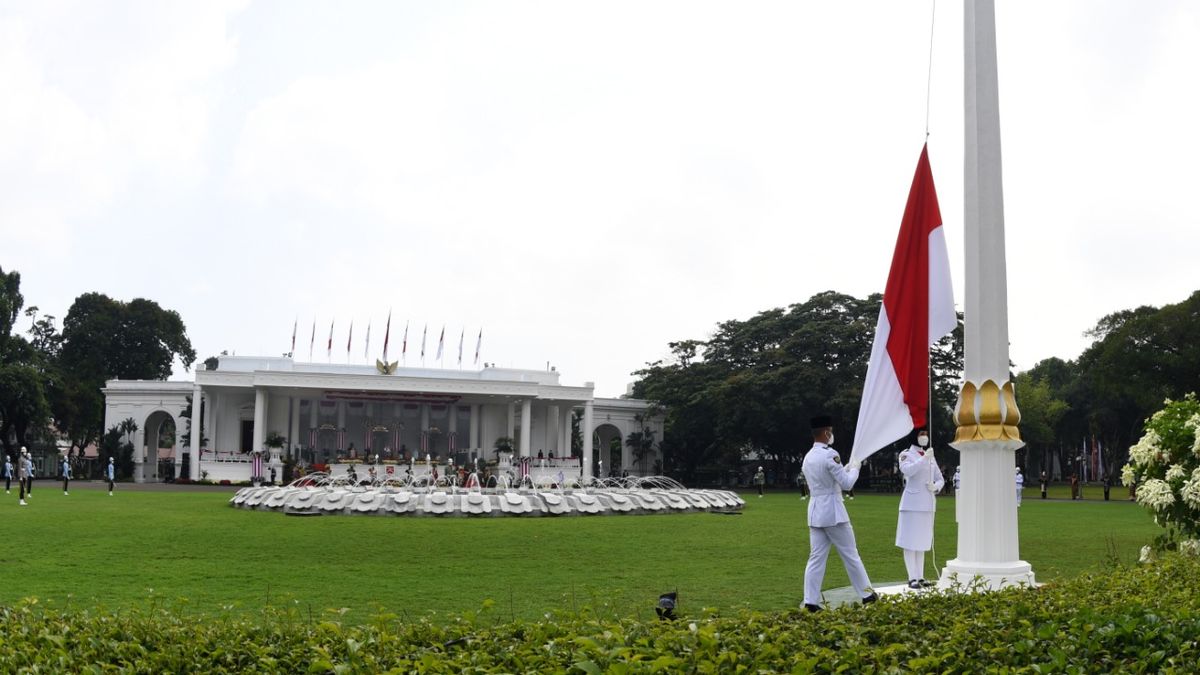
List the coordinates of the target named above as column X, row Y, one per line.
column 986, row 576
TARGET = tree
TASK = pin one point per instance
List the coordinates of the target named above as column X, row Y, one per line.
column 103, row 339
column 1041, row 413
column 24, row 410
column 754, row 384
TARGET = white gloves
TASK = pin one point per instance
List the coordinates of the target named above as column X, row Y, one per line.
column 855, row 465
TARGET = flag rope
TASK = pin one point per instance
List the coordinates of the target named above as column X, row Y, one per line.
column 929, row 72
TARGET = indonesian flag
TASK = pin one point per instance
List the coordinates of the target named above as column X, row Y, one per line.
column 404, row 347
column 423, row 334
column 460, row 343
column 294, row 325
column 349, row 339
column 367, row 347
column 918, row 309
column 312, row 340
column 329, row 345
column 478, row 344
column 441, row 341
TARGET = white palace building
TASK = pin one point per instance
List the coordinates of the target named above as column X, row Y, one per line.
column 331, row 414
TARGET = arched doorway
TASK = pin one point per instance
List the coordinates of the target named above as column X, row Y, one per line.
column 159, row 444
column 606, row 441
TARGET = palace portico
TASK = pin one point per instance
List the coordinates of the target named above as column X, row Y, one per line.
column 326, row 413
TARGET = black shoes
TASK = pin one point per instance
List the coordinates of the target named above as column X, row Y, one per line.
column 870, row 598
column 916, row 584
column 812, row 608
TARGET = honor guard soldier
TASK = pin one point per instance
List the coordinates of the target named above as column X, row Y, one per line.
column 914, row 529
column 828, row 521
column 8, row 473
column 66, row 473
column 110, row 472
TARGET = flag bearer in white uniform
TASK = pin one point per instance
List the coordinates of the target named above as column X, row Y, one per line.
column 914, row 530
column 828, row 521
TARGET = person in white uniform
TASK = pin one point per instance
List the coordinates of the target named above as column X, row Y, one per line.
column 828, row 521
column 1020, row 486
column 914, row 529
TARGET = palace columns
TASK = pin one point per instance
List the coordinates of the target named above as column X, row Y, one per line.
column 260, row 419
column 510, row 427
column 526, row 419
column 475, row 441
column 564, row 432
column 294, row 428
column 194, row 449
column 587, row 438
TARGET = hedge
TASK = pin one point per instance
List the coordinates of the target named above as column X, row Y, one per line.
column 1127, row 619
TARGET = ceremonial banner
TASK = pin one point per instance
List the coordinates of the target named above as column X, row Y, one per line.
column 917, row 310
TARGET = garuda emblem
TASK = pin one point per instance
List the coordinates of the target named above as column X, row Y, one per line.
column 386, row 368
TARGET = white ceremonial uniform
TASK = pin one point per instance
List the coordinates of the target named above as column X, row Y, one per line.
column 922, row 480
column 829, row 523
column 1020, row 487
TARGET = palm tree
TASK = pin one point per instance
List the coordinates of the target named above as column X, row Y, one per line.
column 128, row 427
column 641, row 442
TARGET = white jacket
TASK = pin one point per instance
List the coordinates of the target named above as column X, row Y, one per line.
column 826, row 479
column 922, row 480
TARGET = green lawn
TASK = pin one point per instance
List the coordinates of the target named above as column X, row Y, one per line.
column 193, row 549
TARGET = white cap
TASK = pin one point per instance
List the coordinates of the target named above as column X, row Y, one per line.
column 110, row 460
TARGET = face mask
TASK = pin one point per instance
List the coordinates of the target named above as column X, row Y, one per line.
column 923, row 441
column 830, row 441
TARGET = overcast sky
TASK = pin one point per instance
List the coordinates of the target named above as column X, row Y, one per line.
column 586, row 182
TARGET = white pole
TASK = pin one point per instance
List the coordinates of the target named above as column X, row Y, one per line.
column 987, row 415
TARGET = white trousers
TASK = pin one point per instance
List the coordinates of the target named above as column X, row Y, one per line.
column 914, row 562
column 841, row 536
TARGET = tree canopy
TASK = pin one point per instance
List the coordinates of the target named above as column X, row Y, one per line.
column 58, row 377
column 753, row 385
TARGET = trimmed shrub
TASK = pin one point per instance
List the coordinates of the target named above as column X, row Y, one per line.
column 1142, row 619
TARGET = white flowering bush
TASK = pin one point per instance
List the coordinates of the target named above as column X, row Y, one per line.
column 1165, row 466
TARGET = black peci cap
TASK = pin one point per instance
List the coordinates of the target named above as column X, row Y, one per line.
column 821, row 421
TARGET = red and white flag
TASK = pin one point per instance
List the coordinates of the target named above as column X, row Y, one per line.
column 917, row 310
column 441, row 342
column 367, row 347
column 424, row 332
column 329, row 346
column 349, row 339
column 387, row 333
column 294, row 325
column 312, row 340
column 404, row 347
column 478, row 344
column 460, row 343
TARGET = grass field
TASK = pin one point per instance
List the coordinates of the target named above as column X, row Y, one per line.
column 192, row 549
